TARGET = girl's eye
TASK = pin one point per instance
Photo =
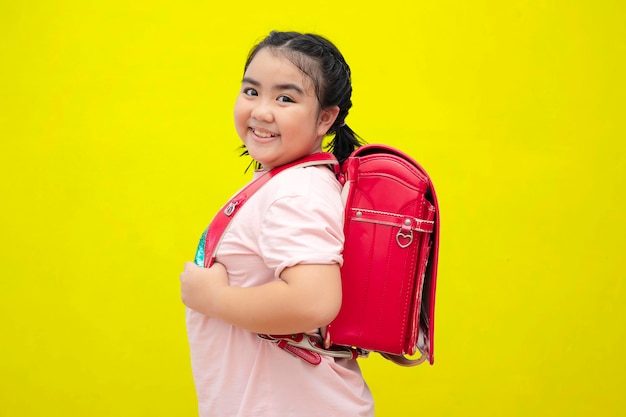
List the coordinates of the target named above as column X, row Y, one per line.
column 250, row 92
column 285, row 99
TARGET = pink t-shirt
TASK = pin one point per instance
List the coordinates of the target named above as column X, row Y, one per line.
column 296, row 218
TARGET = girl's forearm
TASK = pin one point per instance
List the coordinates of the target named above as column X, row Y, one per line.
column 307, row 297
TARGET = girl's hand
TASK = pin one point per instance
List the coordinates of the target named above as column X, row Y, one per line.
column 200, row 287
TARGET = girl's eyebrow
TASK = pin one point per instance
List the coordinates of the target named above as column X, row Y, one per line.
column 278, row 87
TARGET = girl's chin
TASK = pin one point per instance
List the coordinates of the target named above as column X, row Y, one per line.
column 263, row 158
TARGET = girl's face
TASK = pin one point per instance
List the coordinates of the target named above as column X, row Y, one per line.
column 277, row 114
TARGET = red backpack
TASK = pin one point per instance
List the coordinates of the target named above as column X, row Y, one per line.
column 390, row 258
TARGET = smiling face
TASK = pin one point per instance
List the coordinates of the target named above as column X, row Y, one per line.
column 277, row 114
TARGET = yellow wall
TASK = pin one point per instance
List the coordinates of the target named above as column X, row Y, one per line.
column 117, row 145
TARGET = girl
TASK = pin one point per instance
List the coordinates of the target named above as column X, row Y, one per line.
column 277, row 267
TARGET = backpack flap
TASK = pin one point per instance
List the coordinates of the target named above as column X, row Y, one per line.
column 390, row 256
column 426, row 326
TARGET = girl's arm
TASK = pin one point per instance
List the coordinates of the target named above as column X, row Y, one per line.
column 305, row 298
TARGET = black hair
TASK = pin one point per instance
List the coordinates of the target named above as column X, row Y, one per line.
column 322, row 62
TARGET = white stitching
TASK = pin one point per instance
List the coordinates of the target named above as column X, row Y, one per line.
column 384, row 213
column 416, row 229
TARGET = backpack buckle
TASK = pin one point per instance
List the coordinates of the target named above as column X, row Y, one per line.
column 404, row 237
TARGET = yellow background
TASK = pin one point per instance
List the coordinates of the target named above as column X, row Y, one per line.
column 117, row 146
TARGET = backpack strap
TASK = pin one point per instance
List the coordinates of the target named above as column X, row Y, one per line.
column 213, row 235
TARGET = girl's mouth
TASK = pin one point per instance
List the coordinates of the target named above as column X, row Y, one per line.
column 263, row 134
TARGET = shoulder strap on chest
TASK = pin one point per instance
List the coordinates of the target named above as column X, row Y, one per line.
column 220, row 222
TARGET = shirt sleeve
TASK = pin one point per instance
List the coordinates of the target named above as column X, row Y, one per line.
column 302, row 230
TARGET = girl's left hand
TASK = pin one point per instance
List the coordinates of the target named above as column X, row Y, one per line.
column 200, row 287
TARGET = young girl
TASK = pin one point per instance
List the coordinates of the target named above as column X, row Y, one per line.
column 277, row 266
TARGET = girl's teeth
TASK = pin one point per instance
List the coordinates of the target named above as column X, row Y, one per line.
column 263, row 134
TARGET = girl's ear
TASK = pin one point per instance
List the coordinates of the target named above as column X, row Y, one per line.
column 326, row 119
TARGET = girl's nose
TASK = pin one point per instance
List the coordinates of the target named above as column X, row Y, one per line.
column 262, row 111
